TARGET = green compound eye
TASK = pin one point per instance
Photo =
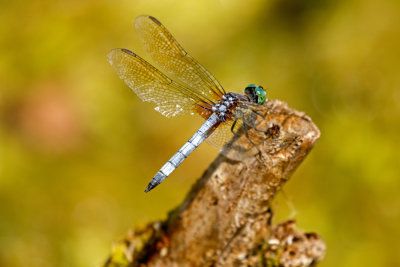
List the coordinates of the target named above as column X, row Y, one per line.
column 262, row 95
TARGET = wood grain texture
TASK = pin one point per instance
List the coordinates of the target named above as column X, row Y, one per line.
column 225, row 219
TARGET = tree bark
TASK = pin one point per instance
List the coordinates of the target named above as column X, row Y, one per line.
column 225, row 219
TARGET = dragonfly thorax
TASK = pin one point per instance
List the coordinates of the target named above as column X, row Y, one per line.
column 223, row 108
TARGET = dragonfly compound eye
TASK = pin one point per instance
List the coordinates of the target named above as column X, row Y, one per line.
column 251, row 93
column 261, row 95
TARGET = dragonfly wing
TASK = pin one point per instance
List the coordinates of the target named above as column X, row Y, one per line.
column 244, row 118
column 151, row 85
column 168, row 54
column 224, row 133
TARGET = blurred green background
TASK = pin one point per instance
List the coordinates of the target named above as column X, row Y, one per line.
column 77, row 147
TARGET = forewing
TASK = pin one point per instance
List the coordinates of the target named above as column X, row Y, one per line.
column 169, row 55
column 151, row 85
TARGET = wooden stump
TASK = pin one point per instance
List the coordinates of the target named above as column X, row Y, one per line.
column 225, row 219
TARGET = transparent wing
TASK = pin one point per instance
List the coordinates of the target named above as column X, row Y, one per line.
column 244, row 117
column 151, row 85
column 169, row 55
column 223, row 134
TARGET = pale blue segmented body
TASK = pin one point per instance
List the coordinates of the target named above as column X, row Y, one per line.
column 205, row 131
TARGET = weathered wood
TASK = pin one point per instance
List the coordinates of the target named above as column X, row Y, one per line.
column 225, row 219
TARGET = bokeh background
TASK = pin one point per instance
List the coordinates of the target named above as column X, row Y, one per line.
column 77, row 147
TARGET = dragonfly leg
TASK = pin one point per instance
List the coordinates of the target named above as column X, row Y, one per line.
column 258, row 113
column 258, row 130
column 246, row 132
column 246, row 127
column 272, row 131
column 233, row 126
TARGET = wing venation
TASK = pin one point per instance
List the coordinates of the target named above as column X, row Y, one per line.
column 151, row 85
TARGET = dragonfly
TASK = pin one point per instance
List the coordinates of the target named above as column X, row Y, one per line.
column 189, row 88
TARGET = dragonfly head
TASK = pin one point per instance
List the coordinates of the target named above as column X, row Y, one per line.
column 256, row 94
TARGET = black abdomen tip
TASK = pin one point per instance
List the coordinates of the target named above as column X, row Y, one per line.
column 150, row 186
